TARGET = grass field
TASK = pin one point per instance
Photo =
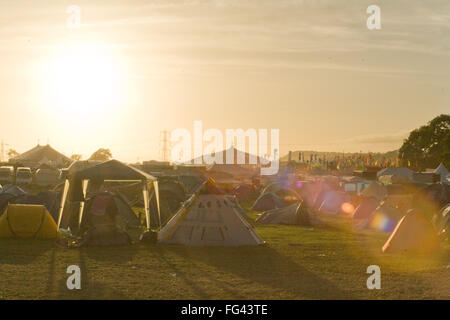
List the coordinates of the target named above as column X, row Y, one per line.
column 327, row 262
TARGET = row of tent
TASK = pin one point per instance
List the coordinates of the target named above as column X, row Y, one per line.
column 106, row 217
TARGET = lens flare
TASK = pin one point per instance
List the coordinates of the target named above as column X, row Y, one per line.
column 347, row 207
column 382, row 222
column 299, row 184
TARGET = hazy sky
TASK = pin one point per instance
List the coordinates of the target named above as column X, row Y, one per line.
column 308, row 67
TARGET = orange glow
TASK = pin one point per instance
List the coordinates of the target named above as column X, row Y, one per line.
column 347, row 208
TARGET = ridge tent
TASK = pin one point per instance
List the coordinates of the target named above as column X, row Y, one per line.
column 413, row 233
column 210, row 220
column 365, row 208
column 268, row 201
column 76, row 185
column 28, row 221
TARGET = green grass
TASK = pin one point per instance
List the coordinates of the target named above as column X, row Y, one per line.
column 328, row 262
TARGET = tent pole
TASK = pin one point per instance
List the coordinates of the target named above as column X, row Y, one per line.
column 146, row 204
column 80, row 214
column 63, row 201
column 155, row 186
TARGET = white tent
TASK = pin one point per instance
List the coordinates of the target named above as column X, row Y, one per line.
column 210, row 220
column 442, row 171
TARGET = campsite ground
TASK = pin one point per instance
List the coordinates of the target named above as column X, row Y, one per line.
column 326, row 262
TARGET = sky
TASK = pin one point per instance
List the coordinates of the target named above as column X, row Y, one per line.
column 310, row 68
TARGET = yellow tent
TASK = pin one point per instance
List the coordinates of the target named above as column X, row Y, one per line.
column 28, row 221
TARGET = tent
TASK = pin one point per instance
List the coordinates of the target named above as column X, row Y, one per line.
column 268, row 201
column 400, row 173
column 442, row 171
column 438, row 193
column 172, row 193
column 295, row 214
column 384, row 218
column 28, row 221
column 442, row 222
column 42, row 155
column 333, row 201
column 76, row 186
column 50, row 199
column 243, row 191
column 374, row 190
column 13, row 189
column 413, row 233
column 365, row 208
column 107, row 220
column 286, row 193
column 210, row 220
column 286, row 215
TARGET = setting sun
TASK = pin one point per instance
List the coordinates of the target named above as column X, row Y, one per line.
column 84, row 80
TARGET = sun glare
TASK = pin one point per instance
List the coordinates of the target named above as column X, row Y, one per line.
column 84, row 80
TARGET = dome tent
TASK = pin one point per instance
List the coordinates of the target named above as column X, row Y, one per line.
column 107, row 220
column 268, row 201
column 413, row 233
column 28, row 221
column 365, row 208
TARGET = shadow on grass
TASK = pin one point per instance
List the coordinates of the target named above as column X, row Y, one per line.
column 262, row 265
column 23, row 251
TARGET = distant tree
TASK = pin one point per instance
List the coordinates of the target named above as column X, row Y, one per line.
column 75, row 157
column 101, row 155
column 428, row 145
column 12, row 153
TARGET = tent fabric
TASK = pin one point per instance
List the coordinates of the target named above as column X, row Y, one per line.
column 107, row 220
column 384, row 218
column 211, row 220
column 243, row 191
column 286, row 215
column 333, row 202
column 365, row 208
column 294, row 214
column 374, row 190
column 442, row 222
column 400, row 172
column 28, row 221
column 442, row 171
column 13, row 189
column 109, row 170
column 413, row 233
column 438, row 193
column 50, row 199
column 5, row 199
column 268, row 201
column 393, row 179
column 39, row 153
